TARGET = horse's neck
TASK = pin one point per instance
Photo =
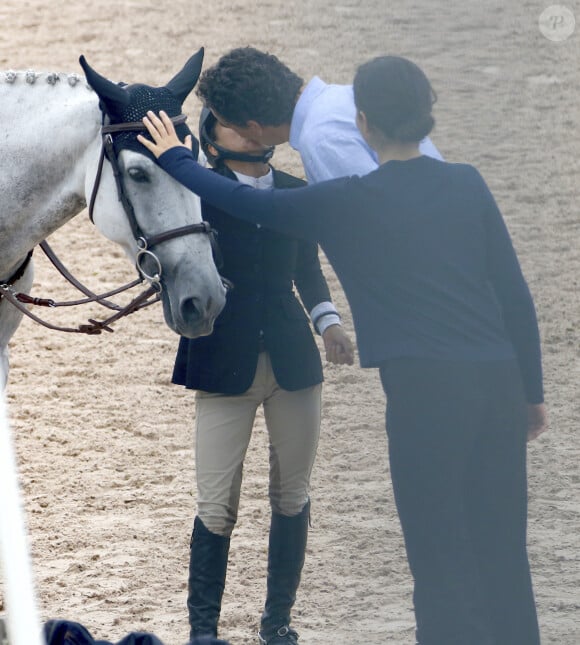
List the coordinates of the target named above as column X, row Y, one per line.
column 50, row 132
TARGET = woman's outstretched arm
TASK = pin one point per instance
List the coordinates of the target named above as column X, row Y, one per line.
column 301, row 212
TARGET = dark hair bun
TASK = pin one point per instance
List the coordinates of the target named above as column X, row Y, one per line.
column 413, row 129
column 396, row 98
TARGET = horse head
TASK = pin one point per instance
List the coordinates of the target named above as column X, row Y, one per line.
column 154, row 218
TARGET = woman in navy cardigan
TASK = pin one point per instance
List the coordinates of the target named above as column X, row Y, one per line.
column 441, row 307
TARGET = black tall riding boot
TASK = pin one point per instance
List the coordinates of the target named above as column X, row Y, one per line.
column 208, row 563
column 285, row 560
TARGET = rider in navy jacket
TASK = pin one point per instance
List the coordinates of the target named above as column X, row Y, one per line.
column 261, row 311
column 261, row 353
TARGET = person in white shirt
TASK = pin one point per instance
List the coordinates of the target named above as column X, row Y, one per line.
column 258, row 96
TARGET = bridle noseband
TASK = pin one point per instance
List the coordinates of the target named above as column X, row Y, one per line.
column 145, row 243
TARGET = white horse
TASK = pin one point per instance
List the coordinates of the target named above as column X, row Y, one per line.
column 50, row 147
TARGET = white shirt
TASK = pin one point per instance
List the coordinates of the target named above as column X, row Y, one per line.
column 323, row 130
column 324, row 313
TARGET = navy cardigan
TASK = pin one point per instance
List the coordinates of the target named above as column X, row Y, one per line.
column 421, row 250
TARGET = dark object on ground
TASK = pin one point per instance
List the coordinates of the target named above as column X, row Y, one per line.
column 66, row 632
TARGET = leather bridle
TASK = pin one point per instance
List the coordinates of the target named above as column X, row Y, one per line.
column 145, row 243
column 19, row 300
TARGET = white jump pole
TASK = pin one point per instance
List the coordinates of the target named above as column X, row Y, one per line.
column 22, row 618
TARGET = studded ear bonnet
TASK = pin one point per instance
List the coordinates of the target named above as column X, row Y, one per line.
column 143, row 98
column 122, row 103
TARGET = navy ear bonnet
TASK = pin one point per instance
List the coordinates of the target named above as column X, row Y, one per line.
column 143, row 98
column 122, row 103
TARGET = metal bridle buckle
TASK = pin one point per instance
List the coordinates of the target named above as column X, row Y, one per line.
column 154, row 280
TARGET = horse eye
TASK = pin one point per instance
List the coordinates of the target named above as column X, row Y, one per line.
column 138, row 174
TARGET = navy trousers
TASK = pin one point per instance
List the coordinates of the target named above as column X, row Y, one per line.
column 457, row 452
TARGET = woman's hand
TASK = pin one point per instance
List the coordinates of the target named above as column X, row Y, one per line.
column 537, row 420
column 163, row 134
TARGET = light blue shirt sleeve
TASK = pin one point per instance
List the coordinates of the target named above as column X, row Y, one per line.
column 325, row 133
column 326, row 157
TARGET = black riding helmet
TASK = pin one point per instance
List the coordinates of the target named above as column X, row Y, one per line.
column 207, row 122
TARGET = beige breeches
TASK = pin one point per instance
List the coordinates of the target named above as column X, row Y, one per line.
column 223, row 430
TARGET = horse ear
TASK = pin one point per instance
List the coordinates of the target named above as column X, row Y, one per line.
column 113, row 97
column 184, row 81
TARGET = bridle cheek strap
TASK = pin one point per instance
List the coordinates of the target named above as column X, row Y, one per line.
column 108, row 151
column 145, row 243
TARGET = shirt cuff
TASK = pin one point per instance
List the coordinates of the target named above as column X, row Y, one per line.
column 323, row 316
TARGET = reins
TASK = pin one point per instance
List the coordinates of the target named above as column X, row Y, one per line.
column 91, row 297
column 19, row 299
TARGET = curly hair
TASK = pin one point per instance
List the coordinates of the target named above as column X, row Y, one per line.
column 250, row 85
column 396, row 98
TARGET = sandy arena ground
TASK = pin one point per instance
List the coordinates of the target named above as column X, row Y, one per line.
column 105, row 442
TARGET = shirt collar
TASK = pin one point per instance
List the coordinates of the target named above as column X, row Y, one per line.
column 312, row 90
column 266, row 181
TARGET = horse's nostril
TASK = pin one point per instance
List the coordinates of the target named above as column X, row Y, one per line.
column 190, row 310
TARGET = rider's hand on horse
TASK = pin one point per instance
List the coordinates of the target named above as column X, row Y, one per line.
column 163, row 134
